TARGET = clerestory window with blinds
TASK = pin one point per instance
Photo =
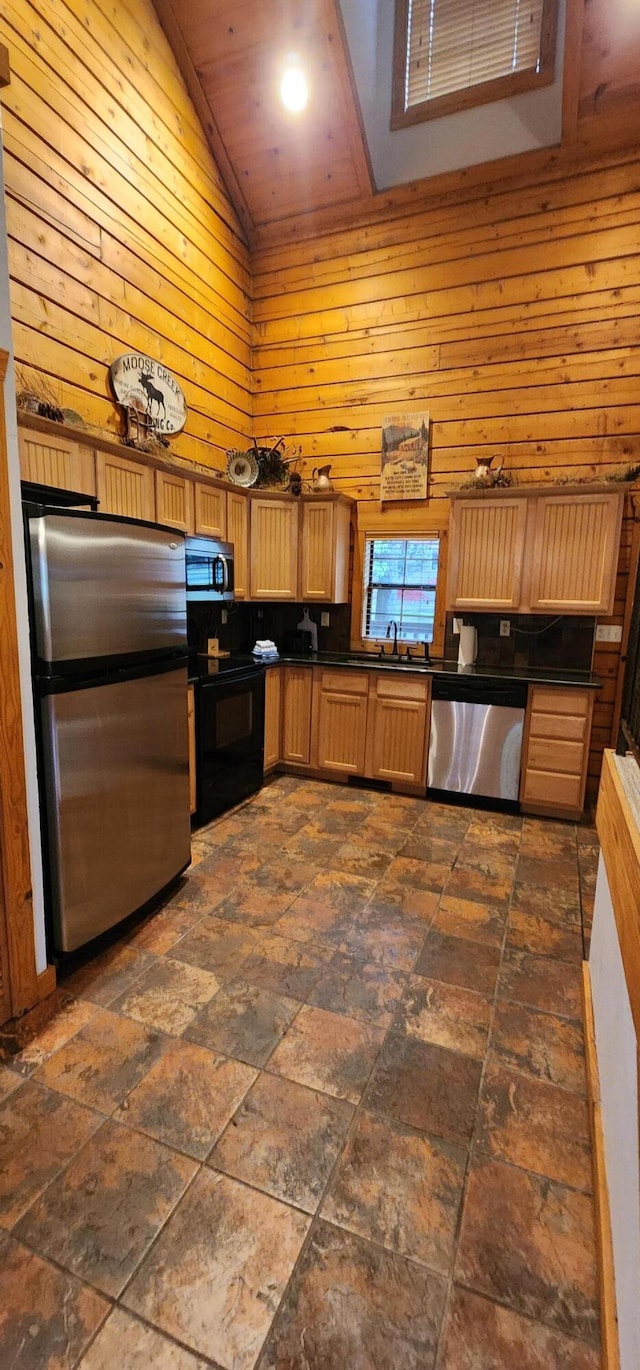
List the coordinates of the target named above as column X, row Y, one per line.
column 454, row 54
column 400, row 581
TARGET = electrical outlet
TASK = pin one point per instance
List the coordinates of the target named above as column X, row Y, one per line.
column 609, row 632
column 325, row 618
column 505, row 627
column 223, row 616
column 457, row 624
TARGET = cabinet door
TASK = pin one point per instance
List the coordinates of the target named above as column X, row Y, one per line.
column 65, row 464
column 296, row 713
column 272, row 710
column 125, row 487
column 486, row 551
column 191, row 726
column 556, row 750
column 318, row 551
column 174, row 501
column 342, row 721
column 274, row 549
column 575, row 553
column 399, row 711
column 238, row 534
column 211, row 510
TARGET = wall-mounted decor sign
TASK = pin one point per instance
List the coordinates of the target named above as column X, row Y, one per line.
column 145, row 387
column 405, row 457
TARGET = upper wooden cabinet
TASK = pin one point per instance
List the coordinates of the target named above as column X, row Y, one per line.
column 125, row 487
column 486, row 553
column 60, row 462
column 211, row 510
column 274, row 549
column 238, row 534
column 539, row 552
column 324, row 558
column 174, row 501
column 575, row 553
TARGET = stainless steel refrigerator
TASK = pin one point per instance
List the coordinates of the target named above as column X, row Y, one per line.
column 109, row 648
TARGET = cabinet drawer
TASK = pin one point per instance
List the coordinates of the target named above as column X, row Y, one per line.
column 561, row 701
column 565, row 727
column 553, row 790
column 346, row 682
column 401, row 687
column 547, row 754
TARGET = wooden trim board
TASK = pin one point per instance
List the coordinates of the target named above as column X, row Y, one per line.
column 5, row 69
column 620, row 842
column 608, row 1308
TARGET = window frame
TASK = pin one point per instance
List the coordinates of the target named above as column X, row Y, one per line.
column 485, row 92
column 381, row 531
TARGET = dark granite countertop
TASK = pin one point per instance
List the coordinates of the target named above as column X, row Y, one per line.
column 368, row 661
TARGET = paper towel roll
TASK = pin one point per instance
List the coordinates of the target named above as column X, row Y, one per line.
column 468, row 646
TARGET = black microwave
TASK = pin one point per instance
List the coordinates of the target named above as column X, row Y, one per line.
column 209, row 567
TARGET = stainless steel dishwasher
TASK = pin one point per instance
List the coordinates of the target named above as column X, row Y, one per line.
column 476, row 736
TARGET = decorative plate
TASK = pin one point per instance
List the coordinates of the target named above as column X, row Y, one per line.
column 242, row 467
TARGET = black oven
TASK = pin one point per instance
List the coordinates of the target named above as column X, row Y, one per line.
column 209, row 570
column 229, row 737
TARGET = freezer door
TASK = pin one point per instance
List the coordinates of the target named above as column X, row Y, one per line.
column 117, row 799
column 475, row 748
column 105, row 587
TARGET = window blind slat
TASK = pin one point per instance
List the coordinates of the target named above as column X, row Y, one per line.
column 455, row 44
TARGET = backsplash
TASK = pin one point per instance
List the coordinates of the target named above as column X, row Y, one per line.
column 535, row 640
column 247, row 622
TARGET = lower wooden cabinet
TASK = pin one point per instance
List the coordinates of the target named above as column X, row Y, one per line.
column 398, row 729
column 238, row 534
column 556, row 750
column 297, row 688
column 341, row 707
column 272, row 717
column 191, row 725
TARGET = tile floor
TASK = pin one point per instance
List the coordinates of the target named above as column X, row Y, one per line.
column 324, row 1111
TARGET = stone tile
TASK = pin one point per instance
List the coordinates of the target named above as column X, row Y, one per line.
column 544, row 937
column 535, row 1125
column 481, row 1335
column 550, row 873
column 100, row 1216
column 361, row 858
column 553, row 986
column 9, row 1081
column 111, row 973
column 285, row 966
column 418, row 875
column 234, row 1249
column 459, row 961
column 397, row 900
column 481, row 875
column 46, row 1317
column 422, row 846
column 160, row 931
column 351, row 1304
column 530, row 1244
column 187, row 1098
column 377, row 830
column 400, row 1189
column 383, row 935
column 28, row 1041
column 105, row 1060
column 168, row 995
column 426, row 1087
column 39, row 1132
column 244, row 1021
column 539, row 1044
column 328, row 1052
column 557, row 905
column 315, row 847
column 469, row 918
column 334, row 890
column 444, row 820
column 285, row 1140
column 445, row 1015
column 128, row 1344
column 369, row 993
column 501, row 831
column 216, row 945
column 260, row 898
column 545, row 840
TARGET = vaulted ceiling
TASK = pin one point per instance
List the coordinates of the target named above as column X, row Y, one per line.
column 282, row 169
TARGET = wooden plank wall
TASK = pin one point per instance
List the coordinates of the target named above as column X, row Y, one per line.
column 511, row 319
column 121, row 234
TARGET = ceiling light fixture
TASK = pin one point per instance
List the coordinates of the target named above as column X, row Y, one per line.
column 294, row 91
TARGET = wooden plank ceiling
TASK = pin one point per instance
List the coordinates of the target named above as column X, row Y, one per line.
column 231, row 56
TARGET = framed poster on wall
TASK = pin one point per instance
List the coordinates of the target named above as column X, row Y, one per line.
column 405, row 457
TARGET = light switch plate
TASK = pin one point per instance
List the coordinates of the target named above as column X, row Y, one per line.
column 609, row 632
column 325, row 618
column 505, row 627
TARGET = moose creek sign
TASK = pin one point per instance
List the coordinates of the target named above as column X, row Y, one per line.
column 146, row 387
